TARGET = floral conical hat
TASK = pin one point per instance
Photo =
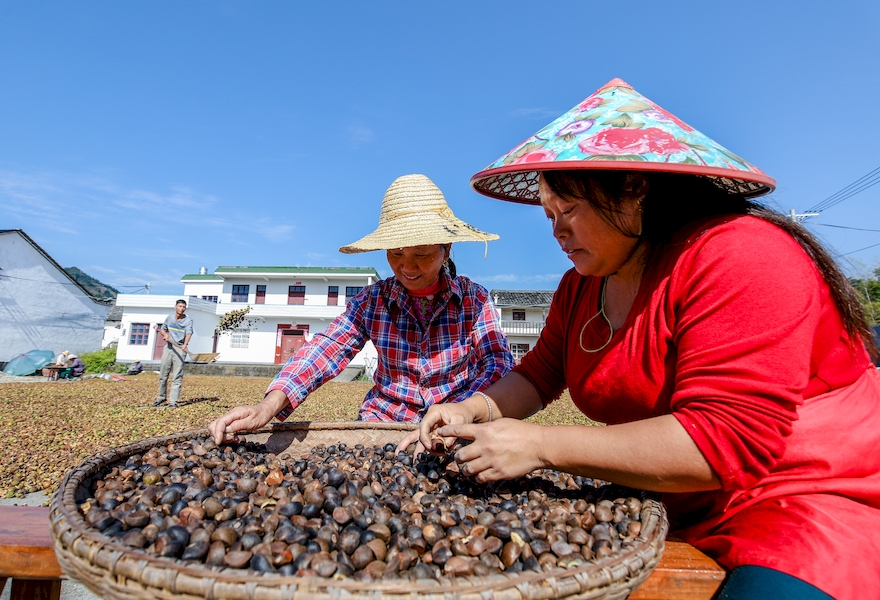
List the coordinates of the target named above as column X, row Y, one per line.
column 617, row 128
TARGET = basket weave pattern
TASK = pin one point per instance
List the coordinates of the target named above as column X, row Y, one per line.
column 115, row 571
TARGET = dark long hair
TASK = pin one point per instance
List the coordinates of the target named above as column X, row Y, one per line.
column 676, row 200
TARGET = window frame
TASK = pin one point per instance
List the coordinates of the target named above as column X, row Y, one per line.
column 240, row 339
column 293, row 297
column 332, row 295
column 518, row 315
column 260, row 297
column 138, row 332
column 518, row 350
column 239, row 292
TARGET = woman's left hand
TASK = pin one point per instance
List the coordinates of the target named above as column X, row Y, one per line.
column 502, row 449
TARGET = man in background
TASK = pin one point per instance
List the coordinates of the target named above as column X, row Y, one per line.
column 176, row 330
column 136, row 369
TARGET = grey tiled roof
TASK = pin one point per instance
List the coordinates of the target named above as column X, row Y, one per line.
column 522, row 298
column 115, row 314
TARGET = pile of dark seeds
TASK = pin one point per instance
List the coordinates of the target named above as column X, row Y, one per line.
column 367, row 513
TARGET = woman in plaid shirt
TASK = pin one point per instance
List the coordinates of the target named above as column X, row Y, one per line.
column 437, row 335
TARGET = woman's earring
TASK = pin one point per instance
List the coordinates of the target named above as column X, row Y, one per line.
column 641, row 220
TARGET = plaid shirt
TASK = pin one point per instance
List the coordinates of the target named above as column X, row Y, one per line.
column 463, row 350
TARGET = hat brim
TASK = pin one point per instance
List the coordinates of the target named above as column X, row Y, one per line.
column 421, row 229
column 514, row 184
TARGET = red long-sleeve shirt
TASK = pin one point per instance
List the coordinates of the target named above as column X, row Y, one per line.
column 734, row 332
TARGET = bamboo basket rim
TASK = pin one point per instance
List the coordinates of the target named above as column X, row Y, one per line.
column 86, row 553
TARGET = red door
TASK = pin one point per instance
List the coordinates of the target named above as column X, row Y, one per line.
column 291, row 341
column 159, row 348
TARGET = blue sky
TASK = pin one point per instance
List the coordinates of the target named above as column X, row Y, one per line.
column 141, row 141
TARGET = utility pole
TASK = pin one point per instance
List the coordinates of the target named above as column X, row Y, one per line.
column 798, row 217
column 148, row 284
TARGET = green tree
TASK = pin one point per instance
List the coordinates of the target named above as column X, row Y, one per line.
column 868, row 290
column 102, row 361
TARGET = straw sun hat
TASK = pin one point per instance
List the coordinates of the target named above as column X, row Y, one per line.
column 414, row 213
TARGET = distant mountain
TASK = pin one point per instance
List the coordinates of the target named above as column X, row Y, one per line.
column 95, row 287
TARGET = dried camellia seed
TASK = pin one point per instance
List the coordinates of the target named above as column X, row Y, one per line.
column 237, row 559
column 359, row 512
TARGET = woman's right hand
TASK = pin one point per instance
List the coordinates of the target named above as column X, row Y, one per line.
column 246, row 418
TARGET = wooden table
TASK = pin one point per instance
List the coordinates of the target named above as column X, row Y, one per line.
column 684, row 573
column 27, row 557
column 55, row 369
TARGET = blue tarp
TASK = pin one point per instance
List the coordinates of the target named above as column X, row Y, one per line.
column 29, row 362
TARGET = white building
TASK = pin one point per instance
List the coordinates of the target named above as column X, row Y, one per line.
column 41, row 306
column 112, row 326
column 289, row 305
column 522, row 313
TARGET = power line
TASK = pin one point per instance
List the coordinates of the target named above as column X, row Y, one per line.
column 859, row 185
column 859, row 250
column 99, row 298
column 844, row 227
column 78, row 284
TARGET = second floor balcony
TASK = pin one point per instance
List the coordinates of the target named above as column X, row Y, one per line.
column 522, row 327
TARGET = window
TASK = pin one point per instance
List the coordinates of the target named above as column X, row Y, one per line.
column 296, row 294
column 519, row 315
column 332, row 295
column 261, row 295
column 240, row 293
column 351, row 292
column 518, row 351
column 210, row 298
column 140, row 334
column 240, row 338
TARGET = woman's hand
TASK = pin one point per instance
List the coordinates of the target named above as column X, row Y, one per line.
column 247, row 418
column 412, row 436
column 440, row 415
column 502, row 449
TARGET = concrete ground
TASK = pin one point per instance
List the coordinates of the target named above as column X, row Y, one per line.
column 70, row 590
column 5, row 378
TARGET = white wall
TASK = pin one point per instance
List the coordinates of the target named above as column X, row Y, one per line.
column 160, row 307
column 261, row 346
column 262, row 339
column 111, row 334
column 276, row 289
column 262, row 342
column 531, row 340
column 532, row 314
column 203, row 288
column 40, row 307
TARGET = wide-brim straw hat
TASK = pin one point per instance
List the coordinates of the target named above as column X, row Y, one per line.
column 414, row 213
column 617, row 129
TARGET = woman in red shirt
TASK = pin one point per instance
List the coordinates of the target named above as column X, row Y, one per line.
column 716, row 338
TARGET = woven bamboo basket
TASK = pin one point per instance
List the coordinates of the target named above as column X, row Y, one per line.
column 114, row 571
